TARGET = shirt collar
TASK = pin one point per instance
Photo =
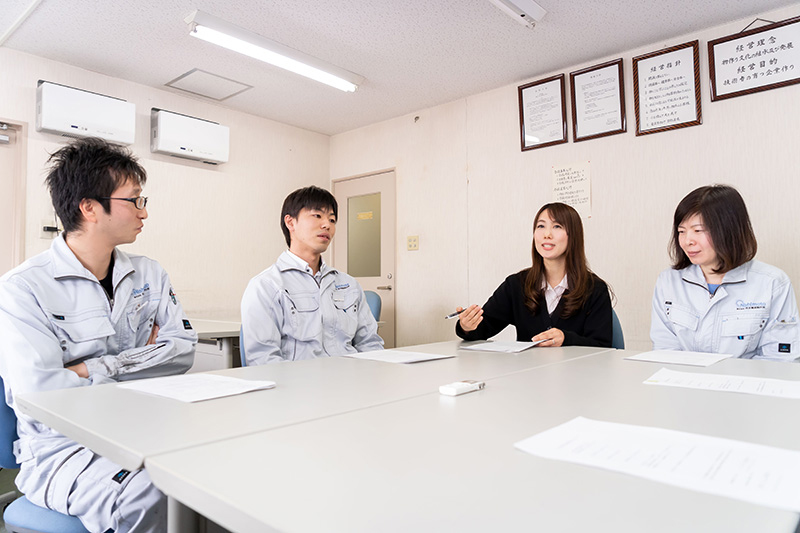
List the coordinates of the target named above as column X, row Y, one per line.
column 563, row 285
column 694, row 274
column 290, row 261
column 66, row 264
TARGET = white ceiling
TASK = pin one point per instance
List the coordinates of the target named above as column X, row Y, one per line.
column 414, row 54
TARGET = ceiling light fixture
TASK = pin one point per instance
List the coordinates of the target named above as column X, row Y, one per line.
column 526, row 12
column 222, row 33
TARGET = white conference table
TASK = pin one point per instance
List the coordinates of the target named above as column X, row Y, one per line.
column 435, row 463
column 128, row 426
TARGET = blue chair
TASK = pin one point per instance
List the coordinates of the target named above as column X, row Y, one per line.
column 22, row 516
column 617, row 339
column 374, row 303
column 241, row 346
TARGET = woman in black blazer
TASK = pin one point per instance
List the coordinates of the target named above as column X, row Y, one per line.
column 558, row 300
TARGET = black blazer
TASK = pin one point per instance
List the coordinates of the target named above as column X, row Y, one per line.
column 590, row 326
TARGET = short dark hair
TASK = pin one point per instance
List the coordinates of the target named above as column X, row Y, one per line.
column 88, row 168
column 725, row 219
column 306, row 198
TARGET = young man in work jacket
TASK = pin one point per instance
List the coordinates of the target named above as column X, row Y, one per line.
column 300, row 308
column 86, row 313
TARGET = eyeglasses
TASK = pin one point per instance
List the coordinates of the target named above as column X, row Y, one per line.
column 140, row 201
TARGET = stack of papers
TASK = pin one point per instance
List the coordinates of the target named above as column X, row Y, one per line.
column 750, row 472
column 680, row 358
column 500, row 346
column 196, row 387
column 398, row 356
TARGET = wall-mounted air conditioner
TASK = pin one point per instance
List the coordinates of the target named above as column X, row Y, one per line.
column 188, row 137
column 77, row 113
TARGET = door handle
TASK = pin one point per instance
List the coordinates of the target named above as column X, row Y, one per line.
column 384, row 288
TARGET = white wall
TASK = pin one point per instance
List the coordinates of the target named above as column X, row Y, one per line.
column 212, row 228
column 468, row 191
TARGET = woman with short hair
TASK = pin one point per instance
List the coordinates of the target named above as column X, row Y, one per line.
column 558, row 300
column 716, row 298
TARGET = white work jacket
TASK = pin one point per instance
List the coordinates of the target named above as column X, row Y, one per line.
column 54, row 313
column 752, row 314
column 289, row 314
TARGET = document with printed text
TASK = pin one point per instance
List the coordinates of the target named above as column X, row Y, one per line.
column 754, row 473
column 196, row 387
column 779, row 388
column 500, row 346
column 680, row 358
column 398, row 356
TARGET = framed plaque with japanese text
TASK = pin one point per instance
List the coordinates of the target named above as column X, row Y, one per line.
column 543, row 113
column 755, row 60
column 666, row 89
column 598, row 101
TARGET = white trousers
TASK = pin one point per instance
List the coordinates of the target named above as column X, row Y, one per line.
column 78, row 482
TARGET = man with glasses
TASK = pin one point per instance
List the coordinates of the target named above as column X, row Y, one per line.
column 84, row 313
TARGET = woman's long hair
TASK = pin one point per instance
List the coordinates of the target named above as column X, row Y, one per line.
column 579, row 275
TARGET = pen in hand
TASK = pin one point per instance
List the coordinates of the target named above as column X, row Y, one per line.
column 455, row 314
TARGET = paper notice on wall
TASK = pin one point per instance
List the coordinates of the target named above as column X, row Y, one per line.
column 572, row 185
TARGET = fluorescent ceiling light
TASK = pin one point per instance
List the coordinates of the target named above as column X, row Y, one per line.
column 222, row 33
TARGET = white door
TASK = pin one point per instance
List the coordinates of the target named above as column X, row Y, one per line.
column 364, row 246
column 12, row 198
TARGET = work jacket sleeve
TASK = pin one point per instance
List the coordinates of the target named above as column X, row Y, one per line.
column 172, row 353
column 662, row 333
column 31, row 356
column 366, row 338
column 780, row 340
column 262, row 323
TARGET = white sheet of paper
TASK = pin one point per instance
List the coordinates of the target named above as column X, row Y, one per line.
column 500, row 346
column 754, row 473
column 196, row 387
column 680, row 358
column 398, row 356
column 780, row 388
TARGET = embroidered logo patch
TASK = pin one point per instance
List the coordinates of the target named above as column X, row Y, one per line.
column 120, row 476
column 186, row 324
column 343, row 286
column 784, row 347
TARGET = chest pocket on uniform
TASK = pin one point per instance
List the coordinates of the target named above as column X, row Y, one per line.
column 82, row 334
column 346, row 302
column 745, row 327
column 683, row 318
column 303, row 316
column 141, row 319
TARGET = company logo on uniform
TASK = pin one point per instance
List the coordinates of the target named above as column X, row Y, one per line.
column 139, row 292
column 741, row 305
column 343, row 286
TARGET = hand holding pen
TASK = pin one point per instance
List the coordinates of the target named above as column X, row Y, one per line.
column 469, row 318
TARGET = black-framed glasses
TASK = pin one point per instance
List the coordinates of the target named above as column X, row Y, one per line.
column 140, row 201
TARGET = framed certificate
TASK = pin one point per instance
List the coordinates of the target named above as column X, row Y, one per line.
column 755, row 60
column 666, row 89
column 598, row 101
column 543, row 113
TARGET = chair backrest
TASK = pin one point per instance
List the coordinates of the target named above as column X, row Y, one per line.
column 617, row 339
column 241, row 346
column 374, row 303
column 8, row 432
